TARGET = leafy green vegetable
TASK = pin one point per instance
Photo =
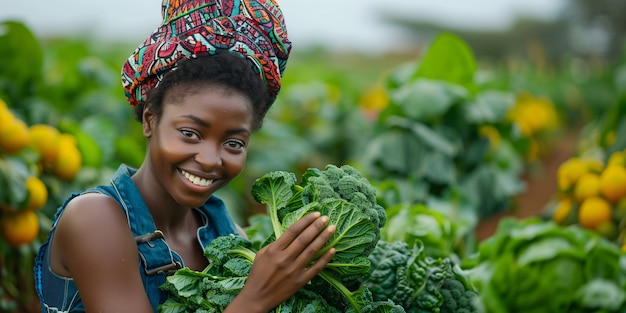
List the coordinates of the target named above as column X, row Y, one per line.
column 342, row 194
column 418, row 282
column 538, row 266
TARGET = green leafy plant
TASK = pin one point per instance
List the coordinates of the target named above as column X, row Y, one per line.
column 538, row 266
column 419, row 282
column 428, row 139
column 340, row 193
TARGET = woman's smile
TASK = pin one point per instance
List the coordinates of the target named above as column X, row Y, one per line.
column 198, row 181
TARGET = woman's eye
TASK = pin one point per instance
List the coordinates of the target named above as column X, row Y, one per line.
column 235, row 144
column 190, row 134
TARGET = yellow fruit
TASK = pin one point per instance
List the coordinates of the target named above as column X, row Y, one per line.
column 373, row 102
column 491, row 133
column 617, row 158
column 563, row 209
column 37, row 193
column 588, row 185
column 594, row 212
column 69, row 160
column 6, row 116
column 593, row 165
column 14, row 137
column 45, row 139
column 624, row 248
column 613, row 182
column 20, row 228
column 572, row 169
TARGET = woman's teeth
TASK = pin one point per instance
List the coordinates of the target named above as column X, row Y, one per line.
column 197, row 180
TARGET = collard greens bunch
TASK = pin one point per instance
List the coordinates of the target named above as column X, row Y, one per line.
column 342, row 194
column 366, row 274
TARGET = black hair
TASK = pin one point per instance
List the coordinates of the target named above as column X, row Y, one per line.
column 223, row 69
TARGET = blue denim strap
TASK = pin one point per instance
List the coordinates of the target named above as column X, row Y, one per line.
column 153, row 249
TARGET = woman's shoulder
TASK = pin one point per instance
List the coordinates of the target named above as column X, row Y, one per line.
column 92, row 213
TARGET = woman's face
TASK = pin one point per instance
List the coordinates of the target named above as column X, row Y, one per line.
column 200, row 142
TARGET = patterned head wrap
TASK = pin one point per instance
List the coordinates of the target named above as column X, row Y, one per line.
column 253, row 28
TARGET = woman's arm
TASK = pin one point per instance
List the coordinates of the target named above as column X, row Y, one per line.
column 95, row 246
column 279, row 269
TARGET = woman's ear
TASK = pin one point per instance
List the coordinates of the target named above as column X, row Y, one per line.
column 148, row 121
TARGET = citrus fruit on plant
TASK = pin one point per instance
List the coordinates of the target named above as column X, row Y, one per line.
column 563, row 210
column 45, row 139
column 69, row 160
column 14, row 136
column 588, row 185
column 617, row 158
column 6, row 116
column 593, row 212
column 37, row 193
column 20, row 228
column 569, row 172
column 613, row 182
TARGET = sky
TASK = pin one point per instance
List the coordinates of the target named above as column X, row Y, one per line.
column 334, row 24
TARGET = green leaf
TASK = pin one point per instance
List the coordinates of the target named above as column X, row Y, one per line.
column 425, row 99
column 489, row 107
column 22, row 57
column 441, row 168
column 397, row 152
column 427, row 135
column 354, row 231
column 602, row 293
column 449, row 58
column 275, row 190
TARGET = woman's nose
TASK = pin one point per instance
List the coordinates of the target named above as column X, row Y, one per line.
column 208, row 157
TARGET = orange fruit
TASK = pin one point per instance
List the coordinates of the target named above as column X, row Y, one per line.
column 45, row 139
column 14, row 136
column 593, row 212
column 613, row 182
column 563, row 209
column 20, row 228
column 588, row 185
column 37, row 193
column 69, row 160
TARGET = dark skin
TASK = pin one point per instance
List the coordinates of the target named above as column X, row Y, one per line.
column 197, row 146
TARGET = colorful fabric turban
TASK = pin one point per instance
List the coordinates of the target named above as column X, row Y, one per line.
column 255, row 29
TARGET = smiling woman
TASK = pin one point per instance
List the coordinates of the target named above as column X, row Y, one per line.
column 200, row 86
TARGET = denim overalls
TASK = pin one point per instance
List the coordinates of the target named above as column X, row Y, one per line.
column 156, row 260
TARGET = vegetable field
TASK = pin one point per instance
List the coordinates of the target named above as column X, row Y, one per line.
column 439, row 144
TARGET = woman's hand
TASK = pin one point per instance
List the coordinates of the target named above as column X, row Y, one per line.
column 282, row 267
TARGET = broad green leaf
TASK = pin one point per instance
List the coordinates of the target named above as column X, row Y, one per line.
column 602, row 293
column 425, row 99
column 275, row 190
column 427, row 135
column 397, row 152
column 544, row 250
column 440, row 168
column 22, row 57
column 354, row 231
column 489, row 107
column 449, row 58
